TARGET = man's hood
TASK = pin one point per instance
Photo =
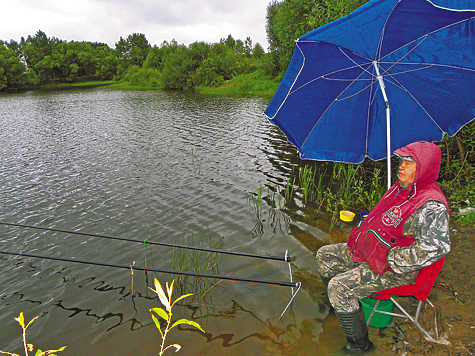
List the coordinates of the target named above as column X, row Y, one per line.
column 427, row 156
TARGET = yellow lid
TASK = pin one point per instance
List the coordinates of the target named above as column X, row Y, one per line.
column 347, row 215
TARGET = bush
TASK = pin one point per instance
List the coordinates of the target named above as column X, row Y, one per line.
column 145, row 78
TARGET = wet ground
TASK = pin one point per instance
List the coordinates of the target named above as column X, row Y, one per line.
column 454, row 301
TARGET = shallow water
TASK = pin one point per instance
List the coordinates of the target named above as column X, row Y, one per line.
column 166, row 167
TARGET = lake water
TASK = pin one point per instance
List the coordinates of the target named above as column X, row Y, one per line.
column 167, row 167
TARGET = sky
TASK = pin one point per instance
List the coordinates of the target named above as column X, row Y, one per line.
column 105, row 21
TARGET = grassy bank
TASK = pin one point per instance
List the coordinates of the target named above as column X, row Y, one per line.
column 252, row 84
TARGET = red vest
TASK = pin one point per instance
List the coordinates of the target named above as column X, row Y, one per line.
column 383, row 228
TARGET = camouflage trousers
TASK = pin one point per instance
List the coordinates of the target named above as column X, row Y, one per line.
column 352, row 281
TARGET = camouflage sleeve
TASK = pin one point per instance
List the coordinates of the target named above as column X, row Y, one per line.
column 430, row 226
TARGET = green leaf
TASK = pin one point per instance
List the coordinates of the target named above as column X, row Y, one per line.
column 31, row 321
column 49, row 352
column 21, row 320
column 161, row 313
column 157, row 324
column 188, row 322
column 180, row 298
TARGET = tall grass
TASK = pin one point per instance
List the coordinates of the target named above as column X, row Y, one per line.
column 347, row 186
column 307, row 182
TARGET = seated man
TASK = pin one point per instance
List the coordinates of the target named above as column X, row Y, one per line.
column 406, row 231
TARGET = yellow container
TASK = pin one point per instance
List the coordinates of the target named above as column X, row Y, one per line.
column 346, row 215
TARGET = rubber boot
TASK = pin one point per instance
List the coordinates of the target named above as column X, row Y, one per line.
column 356, row 332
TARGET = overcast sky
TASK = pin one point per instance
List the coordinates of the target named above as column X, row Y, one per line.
column 106, row 21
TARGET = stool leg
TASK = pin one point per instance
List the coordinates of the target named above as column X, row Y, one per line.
column 373, row 311
column 414, row 321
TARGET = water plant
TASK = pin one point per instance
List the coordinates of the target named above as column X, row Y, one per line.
column 375, row 191
column 166, row 300
column 288, row 191
column 257, row 200
column 306, row 178
column 195, row 261
column 29, row 347
column 332, row 207
column 349, row 187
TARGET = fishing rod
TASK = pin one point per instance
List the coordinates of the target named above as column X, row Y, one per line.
column 297, row 285
column 286, row 258
column 148, row 269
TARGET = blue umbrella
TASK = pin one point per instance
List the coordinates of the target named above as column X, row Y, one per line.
column 390, row 73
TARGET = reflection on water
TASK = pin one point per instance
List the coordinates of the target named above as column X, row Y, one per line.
column 156, row 166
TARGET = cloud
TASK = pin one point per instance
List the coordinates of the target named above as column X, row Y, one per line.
column 106, row 21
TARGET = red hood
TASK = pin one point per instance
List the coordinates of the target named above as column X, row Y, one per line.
column 427, row 156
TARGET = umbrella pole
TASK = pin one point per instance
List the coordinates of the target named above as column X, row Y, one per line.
column 388, row 122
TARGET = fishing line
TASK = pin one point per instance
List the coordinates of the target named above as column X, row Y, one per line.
column 138, row 268
column 286, row 258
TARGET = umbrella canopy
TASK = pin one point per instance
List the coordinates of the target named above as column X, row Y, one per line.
column 390, row 73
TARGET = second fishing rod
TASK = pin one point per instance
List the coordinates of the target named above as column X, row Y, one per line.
column 285, row 258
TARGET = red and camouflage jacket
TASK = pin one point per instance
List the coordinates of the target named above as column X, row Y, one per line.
column 408, row 228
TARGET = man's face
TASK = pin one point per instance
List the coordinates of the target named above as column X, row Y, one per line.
column 407, row 172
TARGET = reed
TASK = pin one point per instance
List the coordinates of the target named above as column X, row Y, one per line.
column 195, row 261
column 306, row 179
column 256, row 200
column 348, row 183
column 288, row 191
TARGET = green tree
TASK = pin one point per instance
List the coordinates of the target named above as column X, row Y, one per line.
column 229, row 42
column 258, row 51
column 287, row 20
column 37, row 47
column 132, row 51
column 44, row 69
column 106, row 62
column 177, row 73
column 326, row 11
column 11, row 68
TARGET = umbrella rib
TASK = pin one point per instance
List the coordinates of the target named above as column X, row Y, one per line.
column 356, row 64
column 400, row 59
column 325, row 76
column 295, row 80
column 417, row 39
column 328, row 108
column 450, row 9
column 426, row 66
column 415, row 99
column 383, row 31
